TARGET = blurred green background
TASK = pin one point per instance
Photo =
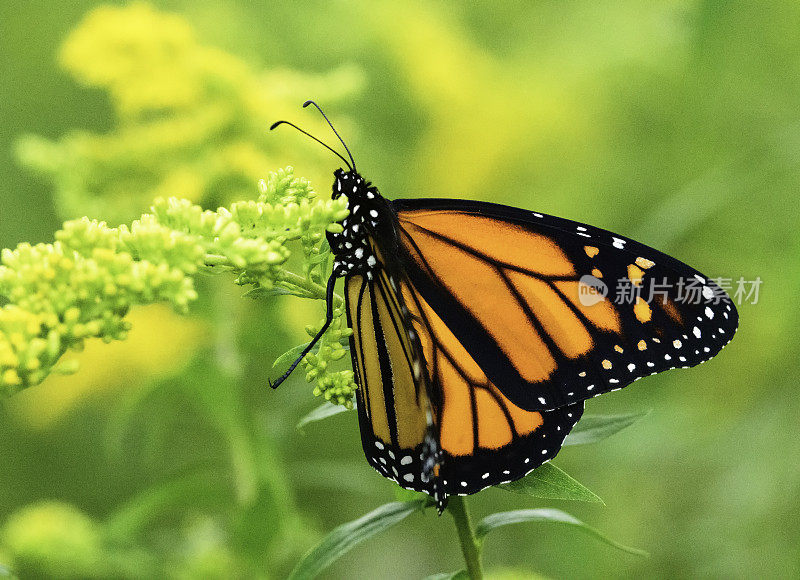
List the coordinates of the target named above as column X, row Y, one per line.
column 676, row 123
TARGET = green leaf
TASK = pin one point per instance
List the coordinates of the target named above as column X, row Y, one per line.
column 493, row 521
column 347, row 536
column 592, row 428
column 403, row 494
column 550, row 482
column 460, row 575
column 324, row 411
column 289, row 356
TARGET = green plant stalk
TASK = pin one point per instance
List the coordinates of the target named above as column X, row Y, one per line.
column 470, row 545
column 229, row 364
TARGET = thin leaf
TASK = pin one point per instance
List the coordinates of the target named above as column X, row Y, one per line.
column 550, row 482
column 324, row 411
column 403, row 494
column 289, row 356
column 592, row 428
column 493, row 521
column 460, row 575
column 347, row 536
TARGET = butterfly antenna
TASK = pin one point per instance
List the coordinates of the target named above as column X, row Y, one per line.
column 307, row 103
column 317, row 337
column 328, row 147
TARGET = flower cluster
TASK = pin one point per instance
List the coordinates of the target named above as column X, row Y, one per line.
column 189, row 119
column 83, row 285
column 335, row 387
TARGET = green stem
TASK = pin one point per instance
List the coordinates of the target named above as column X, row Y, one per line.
column 228, row 361
column 289, row 279
column 470, row 546
column 315, row 290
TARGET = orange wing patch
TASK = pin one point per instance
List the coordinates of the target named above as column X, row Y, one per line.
column 369, row 368
column 470, row 403
column 642, row 310
column 635, row 274
column 554, row 314
column 532, row 318
column 407, row 403
column 520, row 246
column 470, row 279
column 671, row 310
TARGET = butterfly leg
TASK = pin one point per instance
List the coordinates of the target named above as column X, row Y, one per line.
column 307, row 349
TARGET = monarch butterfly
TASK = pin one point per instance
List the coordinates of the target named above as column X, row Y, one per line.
column 479, row 330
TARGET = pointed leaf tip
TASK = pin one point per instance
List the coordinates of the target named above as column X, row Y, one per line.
column 549, row 482
column 324, row 411
column 289, row 356
column 497, row 520
column 592, row 428
column 345, row 537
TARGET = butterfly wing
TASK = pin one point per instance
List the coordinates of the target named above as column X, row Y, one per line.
column 485, row 439
column 522, row 292
column 430, row 419
column 393, row 407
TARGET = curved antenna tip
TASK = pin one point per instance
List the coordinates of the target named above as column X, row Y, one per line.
column 350, row 155
column 328, row 147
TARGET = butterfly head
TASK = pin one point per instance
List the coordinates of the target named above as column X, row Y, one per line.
column 356, row 188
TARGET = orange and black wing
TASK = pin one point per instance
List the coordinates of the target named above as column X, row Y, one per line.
column 430, row 419
column 395, row 414
column 485, row 439
column 551, row 311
